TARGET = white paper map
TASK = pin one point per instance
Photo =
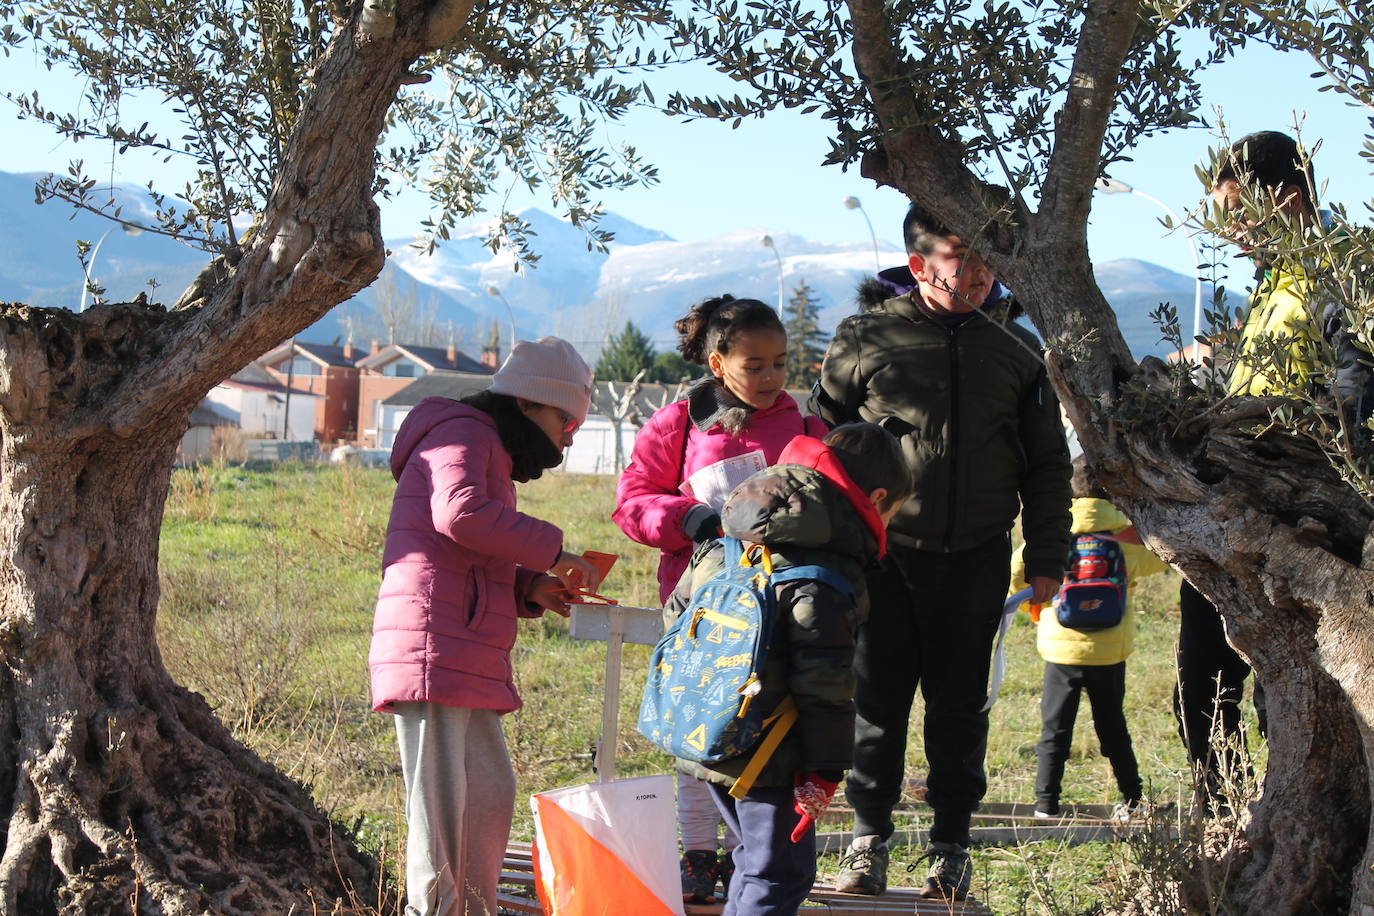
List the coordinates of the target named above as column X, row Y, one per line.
column 713, row 484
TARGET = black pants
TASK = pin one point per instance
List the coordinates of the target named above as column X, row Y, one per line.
column 1106, row 689
column 1211, row 681
column 932, row 620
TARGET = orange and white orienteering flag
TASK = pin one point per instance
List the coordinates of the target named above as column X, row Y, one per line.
column 608, row 848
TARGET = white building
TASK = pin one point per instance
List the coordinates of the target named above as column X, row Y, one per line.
column 260, row 408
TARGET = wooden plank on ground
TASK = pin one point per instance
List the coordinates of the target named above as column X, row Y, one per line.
column 894, row 900
column 1004, row 811
column 509, row 903
column 1028, row 833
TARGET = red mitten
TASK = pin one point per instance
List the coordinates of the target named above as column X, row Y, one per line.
column 811, row 795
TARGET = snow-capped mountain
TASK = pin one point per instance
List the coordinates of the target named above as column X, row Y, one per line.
column 574, row 291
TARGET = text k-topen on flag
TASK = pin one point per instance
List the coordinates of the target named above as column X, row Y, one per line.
column 608, row 848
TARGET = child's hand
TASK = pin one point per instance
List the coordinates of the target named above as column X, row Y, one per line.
column 575, row 572
column 549, row 593
column 1043, row 589
column 811, row 795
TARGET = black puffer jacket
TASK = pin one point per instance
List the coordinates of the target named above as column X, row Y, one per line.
column 974, row 412
column 805, row 518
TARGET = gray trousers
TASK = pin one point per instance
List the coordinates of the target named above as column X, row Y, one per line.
column 459, row 798
column 698, row 817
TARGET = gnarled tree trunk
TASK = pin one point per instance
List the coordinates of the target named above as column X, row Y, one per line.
column 124, row 793
column 120, row 792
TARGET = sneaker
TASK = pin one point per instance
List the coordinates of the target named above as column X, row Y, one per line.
column 1046, row 809
column 951, row 872
column 699, row 876
column 863, row 868
column 1125, row 812
column 1044, row 814
column 725, row 871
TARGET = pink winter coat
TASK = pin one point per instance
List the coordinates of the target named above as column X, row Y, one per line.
column 650, row 507
column 457, row 563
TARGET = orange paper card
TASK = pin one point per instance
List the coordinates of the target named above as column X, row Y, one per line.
column 602, row 561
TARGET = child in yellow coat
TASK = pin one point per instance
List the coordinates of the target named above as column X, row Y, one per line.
column 1093, row 661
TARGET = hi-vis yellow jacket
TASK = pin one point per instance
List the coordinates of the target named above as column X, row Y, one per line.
column 1064, row 646
column 1279, row 313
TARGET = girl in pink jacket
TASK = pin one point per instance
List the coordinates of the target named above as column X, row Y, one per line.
column 686, row 460
column 460, row 566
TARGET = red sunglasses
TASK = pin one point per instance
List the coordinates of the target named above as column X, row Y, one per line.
column 570, row 423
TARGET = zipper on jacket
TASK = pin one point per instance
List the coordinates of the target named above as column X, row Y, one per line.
column 953, row 429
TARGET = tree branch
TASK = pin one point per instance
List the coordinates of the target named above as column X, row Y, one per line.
column 911, row 150
column 1066, row 196
column 318, row 240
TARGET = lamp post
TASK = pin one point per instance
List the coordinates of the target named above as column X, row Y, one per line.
column 130, row 230
column 510, row 315
column 767, row 242
column 1112, row 186
column 853, row 204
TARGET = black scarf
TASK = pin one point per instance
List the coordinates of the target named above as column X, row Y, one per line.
column 710, row 402
column 532, row 452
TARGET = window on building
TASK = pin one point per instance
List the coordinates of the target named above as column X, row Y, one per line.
column 298, row 366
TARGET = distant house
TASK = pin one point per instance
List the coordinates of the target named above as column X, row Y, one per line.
column 197, row 443
column 259, row 406
column 390, row 410
column 349, row 381
column 391, row 369
column 323, row 370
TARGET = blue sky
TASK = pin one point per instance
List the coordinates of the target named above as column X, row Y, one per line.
column 766, row 175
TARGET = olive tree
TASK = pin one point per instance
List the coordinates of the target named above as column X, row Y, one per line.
column 119, row 790
column 1000, row 117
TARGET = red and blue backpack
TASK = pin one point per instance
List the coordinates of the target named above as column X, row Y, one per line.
column 1093, row 596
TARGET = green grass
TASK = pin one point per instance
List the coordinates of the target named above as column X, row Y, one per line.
column 280, row 566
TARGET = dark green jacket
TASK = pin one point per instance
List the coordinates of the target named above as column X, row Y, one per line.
column 805, row 520
column 977, row 420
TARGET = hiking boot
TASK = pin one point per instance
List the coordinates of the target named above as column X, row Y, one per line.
column 699, row 876
column 951, row 871
column 863, row 868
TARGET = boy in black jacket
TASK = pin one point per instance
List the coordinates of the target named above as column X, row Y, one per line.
column 825, row 503
column 943, row 368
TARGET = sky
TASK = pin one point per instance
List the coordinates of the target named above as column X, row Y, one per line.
column 766, row 175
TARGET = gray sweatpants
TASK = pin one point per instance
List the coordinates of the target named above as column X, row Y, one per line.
column 459, row 798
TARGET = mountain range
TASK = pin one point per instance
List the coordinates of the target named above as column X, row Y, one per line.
column 574, row 291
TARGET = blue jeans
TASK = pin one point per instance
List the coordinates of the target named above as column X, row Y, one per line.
column 773, row 875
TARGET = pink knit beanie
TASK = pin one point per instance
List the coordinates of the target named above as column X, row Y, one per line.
column 546, row 371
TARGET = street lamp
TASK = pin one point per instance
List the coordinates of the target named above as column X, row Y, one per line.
column 1112, row 186
column 853, row 204
column 130, row 230
column 767, row 242
column 510, row 315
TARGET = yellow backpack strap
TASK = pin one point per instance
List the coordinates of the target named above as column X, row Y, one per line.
column 778, row 725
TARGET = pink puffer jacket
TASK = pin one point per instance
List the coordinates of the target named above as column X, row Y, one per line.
column 457, row 563
column 649, row 505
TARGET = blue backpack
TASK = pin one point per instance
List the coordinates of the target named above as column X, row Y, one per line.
column 704, row 673
column 1093, row 596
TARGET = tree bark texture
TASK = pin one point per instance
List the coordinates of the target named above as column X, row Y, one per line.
column 120, row 792
column 1260, row 524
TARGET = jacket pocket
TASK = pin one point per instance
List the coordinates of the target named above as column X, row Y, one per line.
column 477, row 588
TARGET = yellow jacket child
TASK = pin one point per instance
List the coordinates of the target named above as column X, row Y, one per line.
column 1065, row 646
